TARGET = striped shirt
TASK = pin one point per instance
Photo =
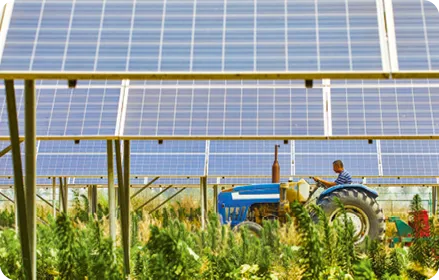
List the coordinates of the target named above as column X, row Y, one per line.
column 344, row 178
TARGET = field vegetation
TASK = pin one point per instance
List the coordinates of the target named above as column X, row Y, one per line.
column 170, row 244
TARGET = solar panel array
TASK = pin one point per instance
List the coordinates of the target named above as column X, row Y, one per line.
column 190, row 35
column 226, row 35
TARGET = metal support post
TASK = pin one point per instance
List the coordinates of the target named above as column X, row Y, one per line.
column 30, row 109
column 206, row 208
column 54, row 196
column 164, row 202
column 435, row 197
column 215, row 198
column 94, row 199
column 123, row 209
column 203, row 200
column 90, row 199
column 18, row 180
column 111, row 191
column 152, row 198
column 63, row 194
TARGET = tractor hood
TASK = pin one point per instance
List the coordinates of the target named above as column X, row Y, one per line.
column 273, row 188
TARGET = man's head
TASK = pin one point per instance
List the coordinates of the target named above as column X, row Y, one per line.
column 337, row 166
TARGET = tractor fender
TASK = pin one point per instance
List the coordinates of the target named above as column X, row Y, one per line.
column 371, row 193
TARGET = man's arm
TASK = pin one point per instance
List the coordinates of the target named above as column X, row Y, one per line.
column 324, row 182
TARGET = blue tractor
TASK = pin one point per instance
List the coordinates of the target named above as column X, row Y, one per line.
column 249, row 205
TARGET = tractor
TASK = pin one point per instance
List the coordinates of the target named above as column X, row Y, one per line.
column 248, row 206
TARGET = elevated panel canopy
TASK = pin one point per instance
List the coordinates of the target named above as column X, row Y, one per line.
column 178, row 38
column 61, row 112
column 416, row 24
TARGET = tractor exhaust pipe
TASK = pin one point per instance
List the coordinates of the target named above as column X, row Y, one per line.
column 275, row 170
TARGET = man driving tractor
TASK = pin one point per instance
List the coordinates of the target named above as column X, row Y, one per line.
column 344, row 178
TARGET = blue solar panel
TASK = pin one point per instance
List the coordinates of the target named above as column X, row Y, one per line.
column 407, row 146
column 71, row 165
column 417, row 33
column 247, row 164
column 224, row 112
column 357, row 165
column 248, row 147
column 91, row 111
column 385, row 111
column 55, row 147
column 190, row 147
column 334, row 147
column 175, row 35
column 425, row 165
column 190, row 165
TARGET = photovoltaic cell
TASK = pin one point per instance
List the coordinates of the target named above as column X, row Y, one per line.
column 204, row 111
column 189, row 35
column 91, row 111
column 417, row 33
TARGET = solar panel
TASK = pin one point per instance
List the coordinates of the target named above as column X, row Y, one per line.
column 204, row 111
column 247, row 164
column 185, row 165
column 71, row 165
column 189, row 35
column 334, row 147
column 426, row 164
column 248, row 147
column 357, row 165
column 190, row 147
column 385, row 111
column 410, row 147
column 90, row 111
column 417, row 33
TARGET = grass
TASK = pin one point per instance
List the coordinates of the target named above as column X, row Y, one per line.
column 170, row 245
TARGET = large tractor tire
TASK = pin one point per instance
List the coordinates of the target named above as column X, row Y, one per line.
column 364, row 211
column 252, row 227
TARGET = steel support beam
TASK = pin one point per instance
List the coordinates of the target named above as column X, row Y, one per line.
column 54, row 197
column 123, row 210
column 164, row 202
column 111, row 191
column 435, row 198
column 47, row 202
column 7, row 149
column 203, row 200
column 145, row 187
column 152, row 198
column 7, row 197
column 63, row 194
column 18, row 180
column 30, row 124
column 215, row 198
column 92, row 199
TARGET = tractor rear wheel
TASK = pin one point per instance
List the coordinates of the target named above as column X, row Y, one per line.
column 252, row 227
column 365, row 213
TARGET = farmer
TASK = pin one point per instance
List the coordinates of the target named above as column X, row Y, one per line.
column 344, row 177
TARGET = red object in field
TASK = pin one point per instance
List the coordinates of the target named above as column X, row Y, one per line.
column 419, row 223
